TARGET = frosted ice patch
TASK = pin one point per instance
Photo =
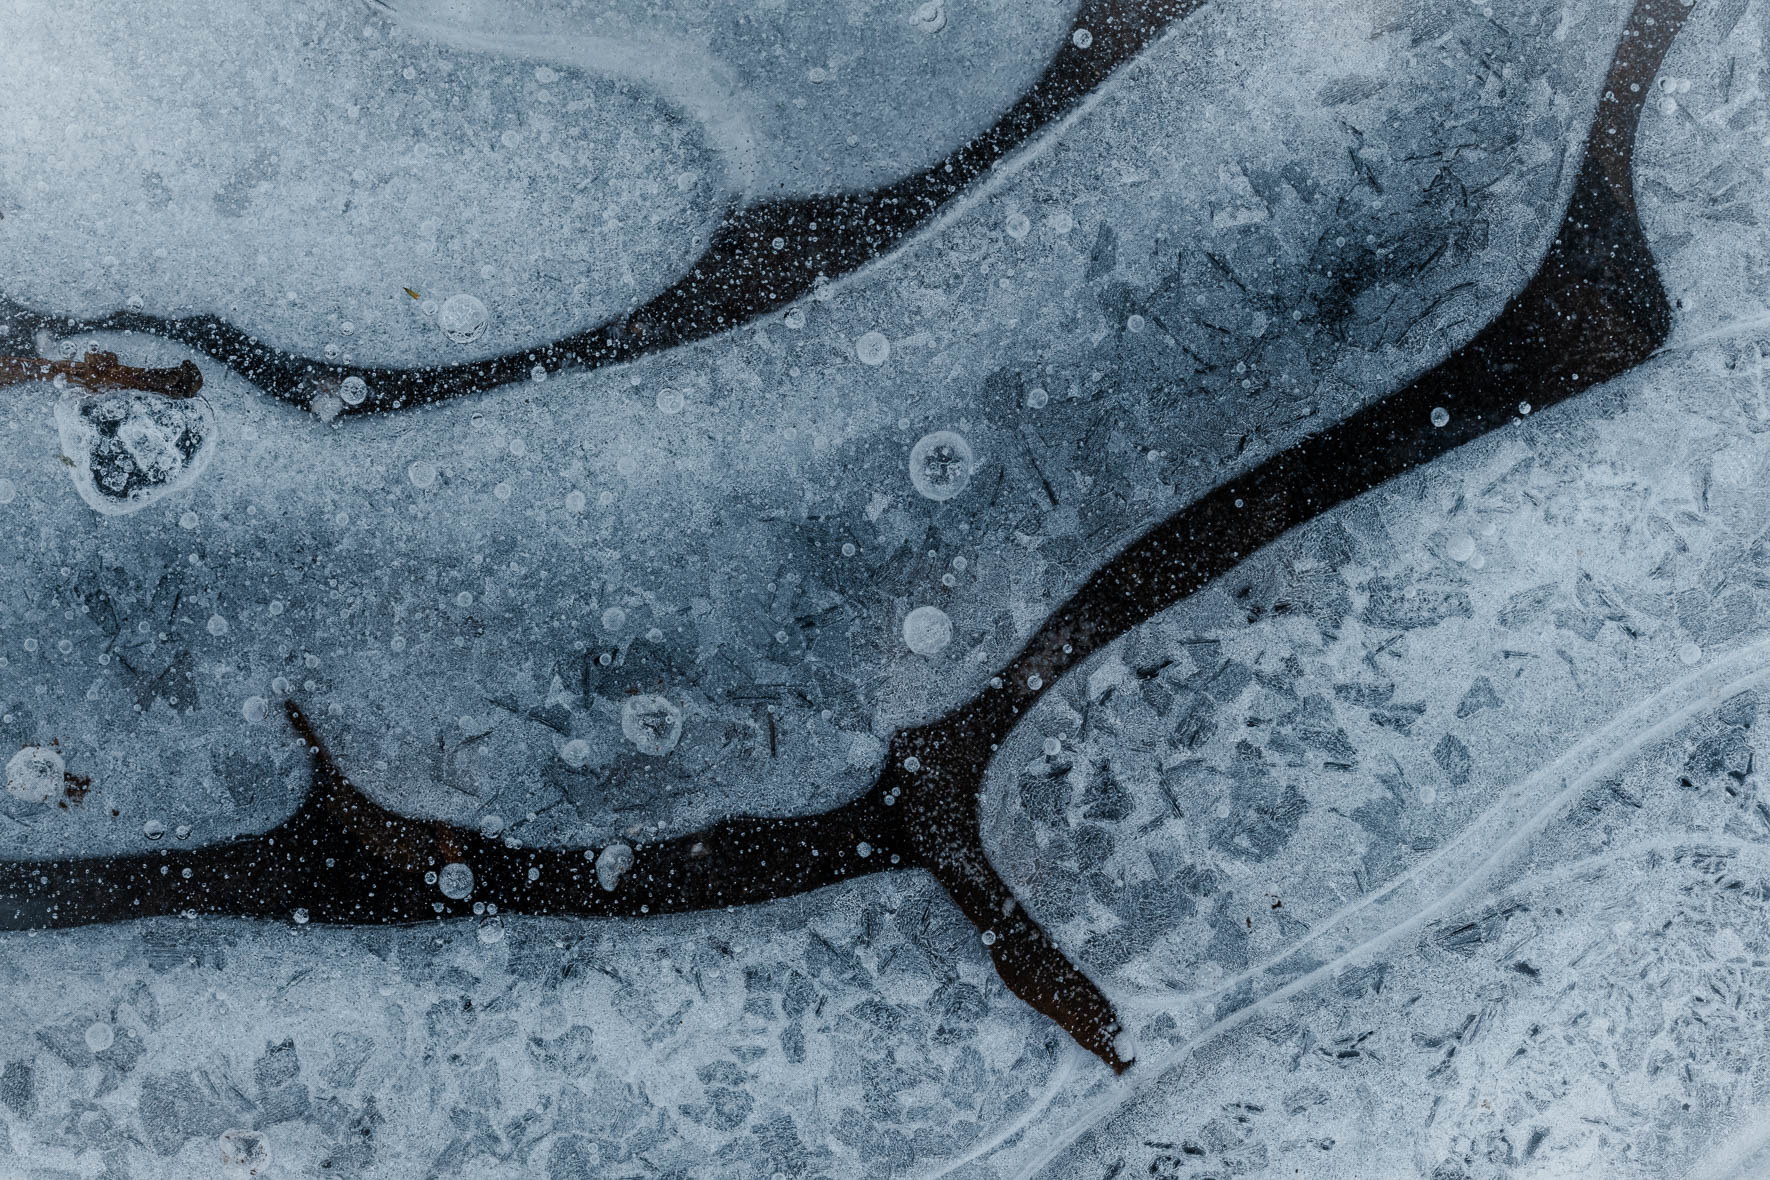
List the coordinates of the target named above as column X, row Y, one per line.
column 940, row 465
column 651, row 723
column 129, row 449
column 244, row 1154
column 35, row 774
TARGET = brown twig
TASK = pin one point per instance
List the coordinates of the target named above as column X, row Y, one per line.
column 102, row 370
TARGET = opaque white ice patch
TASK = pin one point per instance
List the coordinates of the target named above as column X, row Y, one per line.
column 127, row 450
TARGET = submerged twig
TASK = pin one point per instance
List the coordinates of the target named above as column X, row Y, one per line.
column 98, row 371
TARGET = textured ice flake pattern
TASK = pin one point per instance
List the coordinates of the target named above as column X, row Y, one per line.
column 1431, row 840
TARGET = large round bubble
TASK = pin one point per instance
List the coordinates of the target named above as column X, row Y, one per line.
column 940, row 464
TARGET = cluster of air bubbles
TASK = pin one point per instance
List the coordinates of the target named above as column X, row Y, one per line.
column 652, row 723
column 611, row 864
column 927, row 630
column 872, row 348
column 35, row 774
column 456, row 881
column 941, row 464
column 462, row 318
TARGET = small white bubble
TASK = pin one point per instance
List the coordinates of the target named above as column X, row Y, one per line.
column 502, row 489
column 1053, row 747
column 217, row 625
column 255, row 709
column 8, row 492
column 989, row 938
column 1035, row 682
column 575, row 753
column 100, row 1035
column 574, row 501
column 1690, row 653
column 872, row 348
column 1440, row 416
column 863, row 850
column 795, row 318
column 464, row 599
column 1082, row 38
column 671, row 401
column 301, row 915
column 1017, row 225
column 188, row 521
column 491, row 825
column 153, row 829
column 927, row 630
column 613, row 619
column 1461, row 547
column 422, row 473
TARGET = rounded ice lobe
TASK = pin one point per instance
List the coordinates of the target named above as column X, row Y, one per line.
column 129, row 449
column 611, row 863
column 35, row 774
column 652, row 723
column 927, row 630
column 456, row 881
column 463, row 318
column 940, row 465
column 244, row 1154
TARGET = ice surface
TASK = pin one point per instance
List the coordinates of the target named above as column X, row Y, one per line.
column 1428, row 842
